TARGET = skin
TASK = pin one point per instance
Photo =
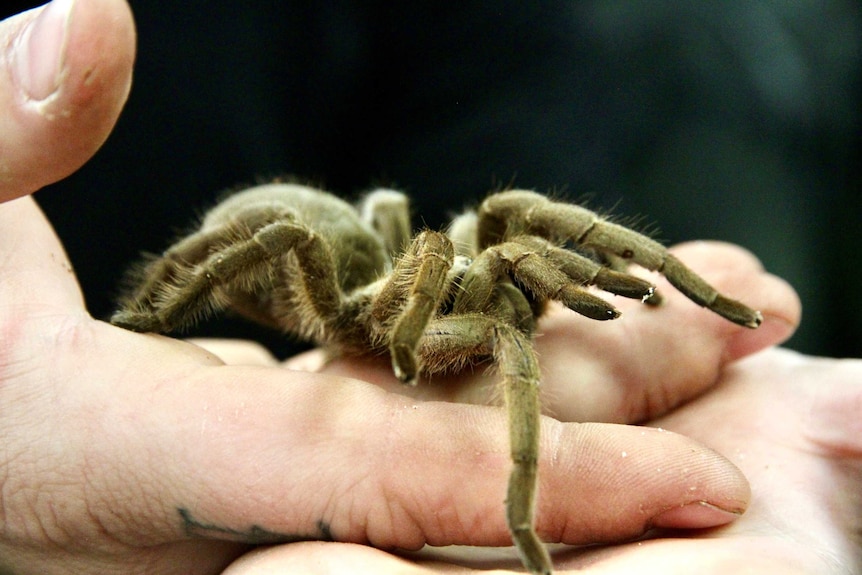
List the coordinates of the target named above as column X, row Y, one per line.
column 130, row 453
column 791, row 423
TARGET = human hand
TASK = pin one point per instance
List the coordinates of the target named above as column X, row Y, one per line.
column 138, row 453
column 791, row 423
column 130, row 452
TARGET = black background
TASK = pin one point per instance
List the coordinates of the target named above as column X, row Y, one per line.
column 734, row 121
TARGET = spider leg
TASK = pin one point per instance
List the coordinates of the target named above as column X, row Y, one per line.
column 462, row 230
column 589, row 272
column 417, row 286
column 137, row 307
column 547, row 272
column 456, row 339
column 195, row 289
column 388, row 212
column 519, row 212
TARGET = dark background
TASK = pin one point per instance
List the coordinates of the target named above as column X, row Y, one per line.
column 737, row 121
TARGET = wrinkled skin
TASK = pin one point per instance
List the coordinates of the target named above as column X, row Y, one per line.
column 129, row 453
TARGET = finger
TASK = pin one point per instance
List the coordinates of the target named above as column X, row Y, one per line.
column 320, row 558
column 65, row 75
column 654, row 359
column 236, row 351
column 783, row 394
column 38, row 279
column 656, row 557
column 629, row 370
column 834, row 421
column 736, row 273
column 257, row 455
column 739, row 274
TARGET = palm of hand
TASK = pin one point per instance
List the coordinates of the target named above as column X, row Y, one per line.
column 794, row 440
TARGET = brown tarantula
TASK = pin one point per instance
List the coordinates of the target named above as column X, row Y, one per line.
column 355, row 281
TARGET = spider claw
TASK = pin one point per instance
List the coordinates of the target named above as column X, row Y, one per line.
column 404, row 364
column 755, row 321
column 587, row 304
column 404, row 378
column 735, row 311
column 653, row 298
column 596, row 312
column 647, row 296
column 623, row 284
column 137, row 321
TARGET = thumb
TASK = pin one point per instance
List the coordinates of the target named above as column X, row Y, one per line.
column 64, row 77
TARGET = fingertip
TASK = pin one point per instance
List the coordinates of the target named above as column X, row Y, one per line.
column 695, row 515
column 739, row 274
column 67, row 71
column 781, row 308
column 646, row 478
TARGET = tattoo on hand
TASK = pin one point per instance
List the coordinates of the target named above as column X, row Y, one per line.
column 255, row 534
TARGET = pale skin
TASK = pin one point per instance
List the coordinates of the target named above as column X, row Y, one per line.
column 84, row 486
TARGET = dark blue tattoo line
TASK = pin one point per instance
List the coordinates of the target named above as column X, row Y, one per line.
column 254, row 535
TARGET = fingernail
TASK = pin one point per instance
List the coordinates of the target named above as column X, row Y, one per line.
column 697, row 515
column 39, row 51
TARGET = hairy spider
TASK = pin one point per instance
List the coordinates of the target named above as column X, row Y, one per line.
column 354, row 280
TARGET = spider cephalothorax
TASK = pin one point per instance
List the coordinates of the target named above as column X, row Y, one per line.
column 354, row 280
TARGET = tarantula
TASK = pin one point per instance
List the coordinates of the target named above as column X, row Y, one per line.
column 354, row 280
